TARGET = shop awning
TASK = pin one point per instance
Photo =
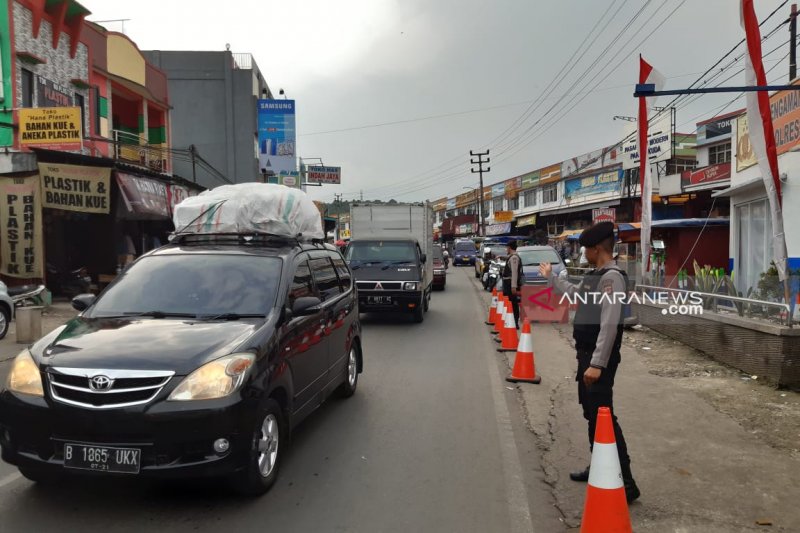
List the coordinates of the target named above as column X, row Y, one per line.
column 144, row 198
column 747, row 186
column 690, row 222
column 570, row 234
column 629, row 226
column 576, row 208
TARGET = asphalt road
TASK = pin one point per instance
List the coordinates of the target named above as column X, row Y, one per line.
column 432, row 441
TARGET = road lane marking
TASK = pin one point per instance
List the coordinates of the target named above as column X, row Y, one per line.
column 518, row 508
column 9, row 479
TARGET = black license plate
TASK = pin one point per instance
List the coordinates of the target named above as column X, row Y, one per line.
column 379, row 300
column 102, row 458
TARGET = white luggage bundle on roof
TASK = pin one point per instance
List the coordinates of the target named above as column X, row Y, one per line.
column 250, row 208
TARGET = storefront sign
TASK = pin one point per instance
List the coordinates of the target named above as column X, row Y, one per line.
column 439, row 205
column 451, row 204
column 498, row 229
column 718, row 127
column 607, row 182
column 498, row 189
column 55, row 128
column 21, row 225
column 711, row 174
column 324, row 175
column 607, row 214
column 466, row 229
column 530, row 180
column 550, row 174
column 143, row 196
column 659, row 142
column 512, row 187
column 466, row 198
column 529, row 220
column 785, row 109
column 76, row 188
column 51, row 94
column 596, row 160
column 276, row 136
column 503, row 216
column 487, row 193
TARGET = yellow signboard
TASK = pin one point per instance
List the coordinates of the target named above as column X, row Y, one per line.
column 21, row 228
column 56, row 128
column 503, row 216
column 76, row 188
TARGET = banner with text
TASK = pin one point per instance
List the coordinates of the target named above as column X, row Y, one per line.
column 54, row 128
column 607, row 182
column 20, row 228
column 324, row 174
column 143, row 196
column 76, row 188
column 276, row 137
column 659, row 140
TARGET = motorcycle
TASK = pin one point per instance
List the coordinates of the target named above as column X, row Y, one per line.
column 69, row 283
column 493, row 274
column 26, row 295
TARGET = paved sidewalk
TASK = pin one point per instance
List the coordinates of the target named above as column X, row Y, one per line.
column 699, row 468
column 52, row 317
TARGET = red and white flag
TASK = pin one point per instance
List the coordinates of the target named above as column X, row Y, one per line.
column 762, row 136
column 647, row 75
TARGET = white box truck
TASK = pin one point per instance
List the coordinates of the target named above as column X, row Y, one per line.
column 391, row 256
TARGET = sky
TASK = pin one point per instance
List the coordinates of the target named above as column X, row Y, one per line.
column 397, row 92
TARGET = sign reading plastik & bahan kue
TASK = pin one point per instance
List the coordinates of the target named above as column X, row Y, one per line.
column 21, row 228
column 75, row 188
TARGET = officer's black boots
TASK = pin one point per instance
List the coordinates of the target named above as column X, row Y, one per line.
column 580, row 476
column 631, row 490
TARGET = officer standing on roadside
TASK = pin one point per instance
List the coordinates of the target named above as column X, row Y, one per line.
column 512, row 279
column 597, row 330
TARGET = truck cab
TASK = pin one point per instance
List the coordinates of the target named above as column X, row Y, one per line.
column 390, row 275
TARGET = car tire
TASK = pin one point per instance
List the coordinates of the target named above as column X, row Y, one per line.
column 39, row 476
column 419, row 313
column 266, row 451
column 350, row 383
column 5, row 321
column 426, row 304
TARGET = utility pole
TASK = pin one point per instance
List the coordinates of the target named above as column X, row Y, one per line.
column 337, row 199
column 793, row 44
column 362, row 195
column 480, row 162
column 193, row 151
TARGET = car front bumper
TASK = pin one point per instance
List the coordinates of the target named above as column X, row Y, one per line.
column 372, row 301
column 175, row 438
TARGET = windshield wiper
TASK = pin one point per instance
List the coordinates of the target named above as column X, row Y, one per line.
column 230, row 316
column 160, row 314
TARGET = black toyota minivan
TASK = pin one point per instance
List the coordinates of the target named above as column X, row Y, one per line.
column 197, row 361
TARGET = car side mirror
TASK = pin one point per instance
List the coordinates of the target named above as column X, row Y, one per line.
column 306, row 305
column 82, row 301
column 423, row 258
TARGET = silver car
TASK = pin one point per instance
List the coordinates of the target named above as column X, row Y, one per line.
column 533, row 255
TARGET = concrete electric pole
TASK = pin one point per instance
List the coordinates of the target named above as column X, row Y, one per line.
column 480, row 170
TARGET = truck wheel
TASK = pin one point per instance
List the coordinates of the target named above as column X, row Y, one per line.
column 419, row 313
column 427, row 303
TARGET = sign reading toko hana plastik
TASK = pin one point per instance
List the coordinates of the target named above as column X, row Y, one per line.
column 55, row 128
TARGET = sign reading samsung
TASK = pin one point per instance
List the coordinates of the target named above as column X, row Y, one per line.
column 607, row 182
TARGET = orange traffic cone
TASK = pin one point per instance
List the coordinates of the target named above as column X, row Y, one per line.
column 524, row 367
column 492, row 308
column 606, row 509
column 499, row 318
column 508, row 339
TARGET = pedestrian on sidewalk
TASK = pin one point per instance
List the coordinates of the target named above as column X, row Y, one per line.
column 512, row 278
column 597, row 330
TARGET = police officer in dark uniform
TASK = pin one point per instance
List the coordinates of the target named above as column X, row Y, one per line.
column 512, row 279
column 597, row 330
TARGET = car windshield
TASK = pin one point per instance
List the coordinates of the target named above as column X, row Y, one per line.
column 465, row 247
column 193, row 285
column 380, row 251
column 534, row 257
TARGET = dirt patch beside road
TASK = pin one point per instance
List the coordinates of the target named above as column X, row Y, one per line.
column 773, row 415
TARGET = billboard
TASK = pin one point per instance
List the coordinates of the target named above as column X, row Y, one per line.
column 594, row 160
column 276, row 136
column 324, row 175
column 785, row 109
column 659, row 139
column 607, row 214
column 54, row 128
column 607, row 182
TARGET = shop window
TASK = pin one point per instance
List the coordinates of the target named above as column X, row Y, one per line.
column 719, row 154
column 27, row 88
column 513, row 203
column 529, row 197
column 676, row 166
column 487, row 206
column 497, row 204
column 754, row 233
column 550, row 194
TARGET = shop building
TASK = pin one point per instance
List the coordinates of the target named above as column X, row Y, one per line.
column 215, row 110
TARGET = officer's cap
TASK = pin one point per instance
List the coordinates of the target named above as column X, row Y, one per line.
column 597, row 234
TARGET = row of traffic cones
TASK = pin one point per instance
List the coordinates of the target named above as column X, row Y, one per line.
column 501, row 318
column 605, row 508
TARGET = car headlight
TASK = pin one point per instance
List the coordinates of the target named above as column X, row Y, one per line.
column 410, row 286
column 24, row 376
column 216, row 379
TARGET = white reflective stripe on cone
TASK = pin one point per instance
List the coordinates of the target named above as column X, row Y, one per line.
column 605, row 472
column 510, row 320
column 494, row 301
column 525, row 343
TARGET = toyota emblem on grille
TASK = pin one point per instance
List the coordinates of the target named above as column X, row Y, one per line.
column 100, row 383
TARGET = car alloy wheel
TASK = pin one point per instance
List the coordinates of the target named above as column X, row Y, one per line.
column 268, row 445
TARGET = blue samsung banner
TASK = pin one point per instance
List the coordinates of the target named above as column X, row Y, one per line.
column 605, row 182
column 277, row 137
